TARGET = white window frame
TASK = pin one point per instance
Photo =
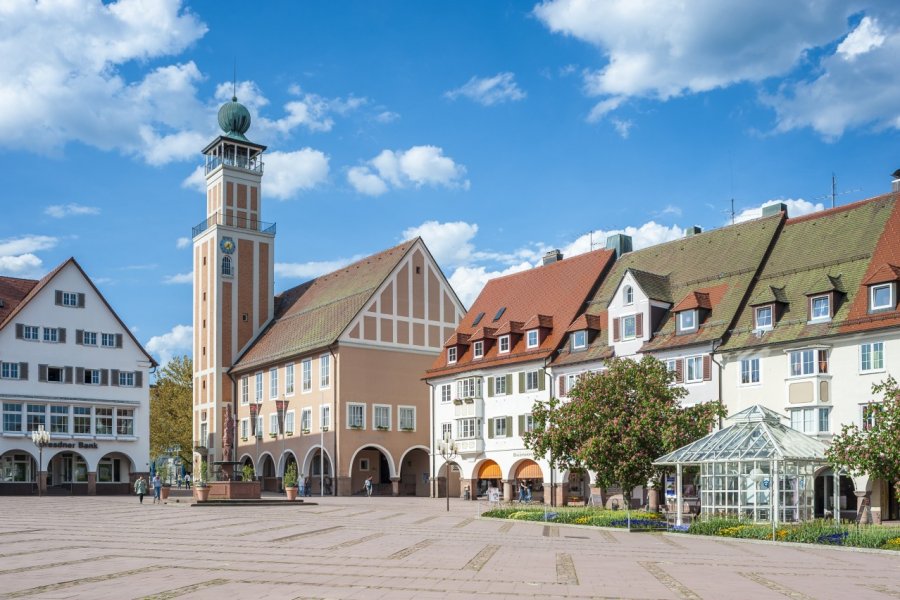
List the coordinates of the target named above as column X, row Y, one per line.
column 94, row 375
column 478, row 349
column 289, row 379
column 382, row 422
column 273, row 423
column 260, row 425
column 469, row 387
column 446, row 392
column 306, row 419
column 259, row 387
column 451, row 355
column 351, row 408
column 756, row 320
column 32, row 333
column 571, row 380
column 503, row 344
column 500, row 382
column 51, row 335
column 633, row 320
column 306, row 376
column 245, row 389
column 528, row 380
column 801, row 352
column 746, row 366
column 446, row 430
column 410, row 418
column 529, row 423
column 672, row 365
column 325, row 417
column 70, row 299
column 693, row 360
column 9, row 370
column 126, row 378
column 627, row 295
column 227, row 267
column 324, row 371
column 107, row 340
column 245, row 429
column 500, row 423
column 467, row 428
column 871, row 350
column 289, row 422
column 273, row 383
column 582, row 334
column 808, row 419
column 866, row 418
column 532, row 338
column 891, row 302
column 683, row 315
column 812, row 308
column 89, row 338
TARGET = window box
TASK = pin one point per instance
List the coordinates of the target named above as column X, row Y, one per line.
column 407, row 429
column 243, row 439
column 289, row 433
column 382, row 428
column 273, row 435
column 457, row 401
column 356, row 427
column 469, row 400
column 325, row 429
column 304, row 431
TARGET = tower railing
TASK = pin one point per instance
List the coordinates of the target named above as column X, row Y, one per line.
column 232, row 221
column 251, row 163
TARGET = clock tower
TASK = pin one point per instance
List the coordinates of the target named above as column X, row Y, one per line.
column 233, row 277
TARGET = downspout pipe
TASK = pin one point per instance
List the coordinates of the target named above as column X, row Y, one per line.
column 712, row 357
column 434, row 490
column 550, row 389
column 334, row 421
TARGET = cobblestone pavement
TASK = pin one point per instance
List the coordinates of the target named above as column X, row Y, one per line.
column 113, row 547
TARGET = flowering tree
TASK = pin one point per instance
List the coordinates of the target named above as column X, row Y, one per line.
column 618, row 421
column 875, row 450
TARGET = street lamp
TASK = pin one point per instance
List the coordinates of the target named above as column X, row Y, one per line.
column 40, row 437
column 449, row 451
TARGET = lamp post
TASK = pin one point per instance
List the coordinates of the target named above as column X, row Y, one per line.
column 254, row 411
column 449, row 451
column 40, row 437
column 281, row 408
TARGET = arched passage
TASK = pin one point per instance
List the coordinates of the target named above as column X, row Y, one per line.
column 67, row 472
column 414, row 472
column 372, row 461
column 18, row 472
column 114, row 473
column 487, row 475
column 528, row 481
column 451, row 482
column 318, row 472
column 267, row 473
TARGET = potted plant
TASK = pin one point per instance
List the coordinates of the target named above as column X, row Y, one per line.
column 201, row 487
column 289, row 433
column 163, row 472
column 273, row 435
column 290, row 481
column 304, row 431
column 407, row 429
column 247, row 473
column 382, row 428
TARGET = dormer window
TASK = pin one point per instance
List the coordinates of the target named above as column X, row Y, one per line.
column 579, row 340
column 628, row 295
column 763, row 317
column 503, row 344
column 628, row 328
column 881, row 297
column 532, row 338
column 687, row 321
column 451, row 355
column 820, row 308
column 477, row 349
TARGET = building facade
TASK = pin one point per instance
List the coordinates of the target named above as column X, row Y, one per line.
column 70, row 366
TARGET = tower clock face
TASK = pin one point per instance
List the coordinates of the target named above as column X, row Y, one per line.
column 227, row 245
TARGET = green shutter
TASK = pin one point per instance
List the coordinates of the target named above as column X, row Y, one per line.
column 490, row 384
column 541, row 383
column 521, row 382
column 490, row 428
column 509, row 431
column 521, row 425
column 509, row 389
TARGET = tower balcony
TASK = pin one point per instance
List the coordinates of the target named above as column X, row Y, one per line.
column 241, row 160
column 233, row 221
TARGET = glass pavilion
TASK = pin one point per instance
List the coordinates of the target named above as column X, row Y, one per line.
column 757, row 468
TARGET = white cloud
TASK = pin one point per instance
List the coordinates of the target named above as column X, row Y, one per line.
column 418, row 166
column 310, row 270
column 63, row 76
column 468, row 282
column 179, row 278
column 648, row 234
column 488, row 91
column 18, row 258
column 308, row 110
column 26, row 244
column 177, row 341
column 182, row 242
column 288, row 173
column 387, row 116
column 867, row 36
column 449, row 243
column 22, row 265
column 60, row 211
column 796, row 208
column 196, row 180
column 623, row 127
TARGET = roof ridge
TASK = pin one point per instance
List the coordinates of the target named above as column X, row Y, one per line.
column 566, row 261
column 839, row 209
column 19, row 279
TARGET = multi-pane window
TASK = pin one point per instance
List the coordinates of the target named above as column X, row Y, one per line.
column 69, row 299
column 629, row 327
column 628, row 295
column 529, row 423
column 570, row 381
column 273, row 424
column 381, row 417
column 324, row 371
column 306, row 375
column 89, row 338
column 12, row 416
column 259, row 387
column 749, row 371
column 245, row 390
column 808, row 362
column 764, row 317
column 91, row 377
column 326, row 417
column 693, row 369
column 124, row 421
column 407, row 417
column 51, row 334
column 871, row 356
column 446, row 392
column 289, row 422
column 9, row 370
column 500, row 427
column 532, row 381
column 273, row 383
column 446, row 431
column 245, row 428
column 35, row 417
column 469, row 387
column 820, row 309
column 59, row 419
column 466, row 428
column 478, row 349
column 671, row 365
column 289, row 379
column 824, row 420
column 687, row 320
column 204, row 433
column 503, row 343
column 108, row 340
column 356, row 415
column 103, row 418
column 126, row 378
column 81, row 420
column 881, row 297
column 451, row 354
column 226, row 266
column 306, row 419
column 30, row 332
column 532, row 338
column 868, row 416
column 500, row 386
column 259, row 426
column 811, row 420
column 579, row 340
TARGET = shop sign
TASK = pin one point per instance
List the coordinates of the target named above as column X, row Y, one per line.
column 80, row 445
column 523, row 454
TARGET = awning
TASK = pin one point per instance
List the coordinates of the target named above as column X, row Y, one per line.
column 489, row 470
column 529, row 470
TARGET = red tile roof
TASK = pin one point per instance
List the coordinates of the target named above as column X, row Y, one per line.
column 586, row 321
column 883, row 274
column 551, row 295
column 12, row 292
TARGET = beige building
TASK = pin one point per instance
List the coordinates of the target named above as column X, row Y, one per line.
column 330, row 369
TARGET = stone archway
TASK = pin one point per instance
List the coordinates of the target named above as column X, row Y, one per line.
column 487, row 474
column 267, row 474
column 247, row 460
column 67, row 473
column 453, row 482
column 318, row 470
column 414, row 472
column 375, row 462
column 114, row 474
column 18, row 473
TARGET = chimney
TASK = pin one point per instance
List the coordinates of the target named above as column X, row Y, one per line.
column 552, row 256
column 693, row 230
column 774, row 209
column 895, row 181
column 620, row 243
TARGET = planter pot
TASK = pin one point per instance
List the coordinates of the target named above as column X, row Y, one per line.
column 202, row 492
column 164, row 492
column 291, row 493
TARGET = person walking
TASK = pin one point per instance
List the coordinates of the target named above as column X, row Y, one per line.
column 157, row 489
column 369, row 486
column 140, row 488
column 307, row 486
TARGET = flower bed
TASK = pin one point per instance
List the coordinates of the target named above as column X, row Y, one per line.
column 597, row 517
column 808, row 532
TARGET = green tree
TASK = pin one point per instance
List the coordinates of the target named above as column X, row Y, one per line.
column 170, row 409
column 618, row 421
column 876, row 450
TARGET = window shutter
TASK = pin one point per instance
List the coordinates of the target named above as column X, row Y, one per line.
column 490, row 385
column 20, row 331
column 138, row 379
column 118, row 340
column 79, row 336
column 509, row 389
column 707, row 367
column 80, row 300
column 58, row 295
column 639, row 325
column 68, row 374
column 562, row 385
column 616, row 335
column 679, row 370
column 509, row 431
column 62, row 335
column 79, row 375
column 809, row 312
column 23, row 370
column 115, row 377
column 42, row 372
column 521, row 425
column 521, row 381
column 490, row 428
column 542, row 383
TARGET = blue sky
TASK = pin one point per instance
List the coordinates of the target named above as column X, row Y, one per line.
column 496, row 130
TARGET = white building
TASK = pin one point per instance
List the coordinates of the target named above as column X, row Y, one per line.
column 69, row 364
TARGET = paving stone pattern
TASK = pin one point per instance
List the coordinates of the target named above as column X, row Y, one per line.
column 394, row 548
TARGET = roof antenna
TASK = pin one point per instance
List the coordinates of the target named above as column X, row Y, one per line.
column 730, row 212
column 234, row 82
column 834, row 193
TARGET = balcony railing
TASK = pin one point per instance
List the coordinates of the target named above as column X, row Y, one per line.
column 252, row 163
column 470, row 446
column 232, row 221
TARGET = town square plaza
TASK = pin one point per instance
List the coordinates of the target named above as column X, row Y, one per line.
column 381, row 547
